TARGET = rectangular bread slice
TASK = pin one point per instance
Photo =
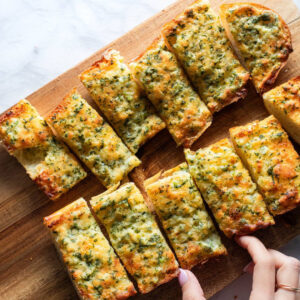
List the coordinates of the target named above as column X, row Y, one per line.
column 135, row 236
column 94, row 268
column 167, row 87
column 182, row 213
column 201, row 45
column 92, row 139
column 284, row 103
column 111, row 85
column 27, row 137
column 228, row 189
column 272, row 161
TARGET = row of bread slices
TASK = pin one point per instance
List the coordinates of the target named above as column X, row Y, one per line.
column 26, row 135
column 112, row 85
column 239, row 206
column 189, row 72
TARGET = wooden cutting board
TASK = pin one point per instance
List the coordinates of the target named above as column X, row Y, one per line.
column 29, row 265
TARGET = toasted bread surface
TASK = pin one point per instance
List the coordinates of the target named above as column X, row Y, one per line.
column 182, row 213
column 166, row 85
column 284, row 103
column 92, row 139
column 94, row 268
column 228, row 189
column 113, row 88
column 136, row 237
column 272, row 161
column 201, row 45
column 262, row 39
column 26, row 136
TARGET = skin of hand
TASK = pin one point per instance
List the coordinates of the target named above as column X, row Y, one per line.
column 191, row 289
column 269, row 267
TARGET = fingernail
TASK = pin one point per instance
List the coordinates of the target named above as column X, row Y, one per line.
column 183, row 277
column 246, row 268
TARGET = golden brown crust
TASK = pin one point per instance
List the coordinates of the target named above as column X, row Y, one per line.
column 295, row 79
column 36, row 134
column 272, row 161
column 104, row 62
column 189, row 140
column 240, row 94
column 228, row 189
column 152, row 45
column 61, row 215
column 63, row 107
column 284, row 103
column 169, row 28
column 136, row 238
column 216, row 89
column 14, row 111
column 168, row 88
column 92, row 139
column 49, row 187
column 179, row 205
column 122, row 101
column 26, row 136
column 247, row 229
column 93, row 267
column 268, row 80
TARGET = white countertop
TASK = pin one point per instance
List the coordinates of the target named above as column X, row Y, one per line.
column 42, row 39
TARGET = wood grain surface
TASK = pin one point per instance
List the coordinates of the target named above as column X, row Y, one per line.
column 29, row 265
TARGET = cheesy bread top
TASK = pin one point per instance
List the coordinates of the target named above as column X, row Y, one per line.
column 92, row 139
column 262, row 39
column 167, row 87
column 114, row 90
column 180, row 208
column 272, row 160
column 135, row 236
column 26, row 136
column 228, row 189
column 91, row 262
column 22, row 127
column 284, row 103
column 201, row 45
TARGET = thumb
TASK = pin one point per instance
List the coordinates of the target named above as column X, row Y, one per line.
column 191, row 289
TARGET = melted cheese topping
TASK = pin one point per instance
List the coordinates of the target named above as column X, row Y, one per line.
column 135, row 236
column 202, row 47
column 273, row 162
column 228, row 189
column 48, row 162
column 284, row 103
column 167, row 87
column 91, row 262
column 53, row 168
column 112, row 87
column 22, row 127
column 92, row 139
column 262, row 39
column 180, row 208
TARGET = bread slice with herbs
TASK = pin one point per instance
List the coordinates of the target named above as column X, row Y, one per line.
column 262, row 40
column 284, row 103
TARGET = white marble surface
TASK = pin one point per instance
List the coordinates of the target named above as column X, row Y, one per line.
column 41, row 39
